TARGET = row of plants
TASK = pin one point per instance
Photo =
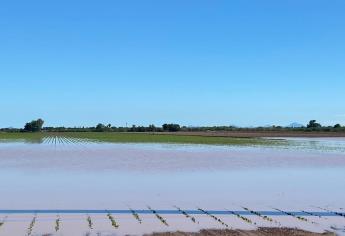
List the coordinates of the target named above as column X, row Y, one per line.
column 214, row 217
column 158, row 216
column 333, row 212
column 311, row 214
column 245, row 219
column 136, row 215
column 186, row 214
column 2, row 222
column 295, row 216
column 112, row 220
column 89, row 222
column 264, row 217
column 57, row 223
column 31, row 226
column 65, row 140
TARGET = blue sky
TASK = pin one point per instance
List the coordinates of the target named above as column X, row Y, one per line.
column 241, row 62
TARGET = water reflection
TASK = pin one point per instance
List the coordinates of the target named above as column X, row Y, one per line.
column 85, row 175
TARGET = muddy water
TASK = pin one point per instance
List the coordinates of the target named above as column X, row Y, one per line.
column 80, row 174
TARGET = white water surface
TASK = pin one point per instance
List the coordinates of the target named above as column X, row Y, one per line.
column 79, row 174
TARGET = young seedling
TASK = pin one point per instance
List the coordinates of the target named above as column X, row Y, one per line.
column 31, row 226
column 112, row 220
column 158, row 216
column 245, row 219
column 295, row 216
column 3, row 221
column 136, row 216
column 260, row 215
column 57, row 223
column 186, row 214
column 214, row 217
column 311, row 214
column 89, row 221
column 333, row 212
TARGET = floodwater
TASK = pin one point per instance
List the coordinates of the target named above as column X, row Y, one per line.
column 74, row 174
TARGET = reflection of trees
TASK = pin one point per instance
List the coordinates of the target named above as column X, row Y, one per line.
column 35, row 140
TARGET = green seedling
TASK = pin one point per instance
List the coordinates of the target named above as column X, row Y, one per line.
column 158, row 216
column 214, row 217
column 89, row 221
column 112, row 220
column 136, row 216
column 57, row 224
column 186, row 214
column 245, row 219
column 31, row 226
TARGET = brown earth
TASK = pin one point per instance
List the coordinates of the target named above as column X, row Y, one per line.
column 258, row 232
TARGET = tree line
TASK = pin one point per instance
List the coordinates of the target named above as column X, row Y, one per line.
column 37, row 126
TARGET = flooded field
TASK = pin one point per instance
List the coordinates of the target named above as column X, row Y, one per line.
column 72, row 186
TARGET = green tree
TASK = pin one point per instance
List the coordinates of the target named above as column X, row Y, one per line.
column 337, row 126
column 313, row 124
column 171, row 127
column 100, row 127
column 34, row 126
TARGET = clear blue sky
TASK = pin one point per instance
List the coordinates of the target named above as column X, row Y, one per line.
column 193, row 62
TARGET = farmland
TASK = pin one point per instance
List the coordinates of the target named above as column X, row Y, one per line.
column 114, row 137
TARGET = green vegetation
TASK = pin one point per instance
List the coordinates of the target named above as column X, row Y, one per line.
column 159, row 217
column 115, row 137
column 136, row 216
column 57, row 223
column 31, row 226
column 34, row 132
column 34, row 126
column 186, row 214
column 245, row 219
column 112, row 220
column 89, row 222
column 312, row 126
column 171, row 127
column 214, row 217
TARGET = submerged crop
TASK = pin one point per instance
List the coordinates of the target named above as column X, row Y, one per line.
column 112, row 220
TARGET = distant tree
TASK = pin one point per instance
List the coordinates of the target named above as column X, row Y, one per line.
column 151, row 128
column 133, row 128
column 313, row 124
column 337, row 126
column 100, row 127
column 171, row 127
column 34, row 126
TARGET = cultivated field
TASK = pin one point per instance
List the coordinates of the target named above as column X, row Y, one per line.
column 113, row 137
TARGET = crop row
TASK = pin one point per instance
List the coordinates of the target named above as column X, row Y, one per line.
column 89, row 222
column 186, row 214
column 311, row 214
column 214, row 217
column 112, row 220
column 135, row 215
column 295, row 216
column 57, row 223
column 31, row 226
column 333, row 212
column 245, row 219
column 158, row 216
column 3, row 221
column 264, row 217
